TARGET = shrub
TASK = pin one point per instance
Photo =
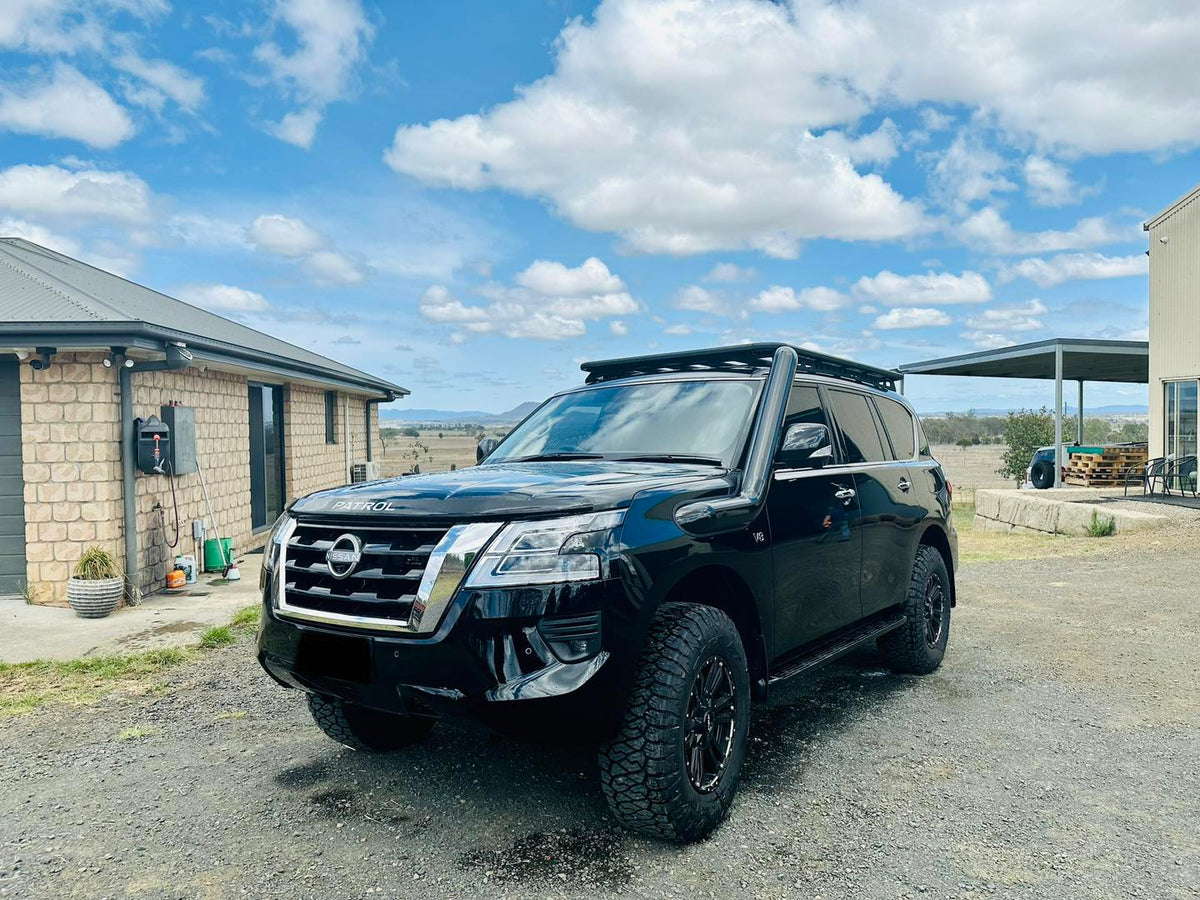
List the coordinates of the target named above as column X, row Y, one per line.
column 96, row 564
column 1024, row 431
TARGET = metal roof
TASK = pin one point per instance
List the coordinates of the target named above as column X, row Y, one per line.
column 1083, row 360
column 1183, row 201
column 54, row 300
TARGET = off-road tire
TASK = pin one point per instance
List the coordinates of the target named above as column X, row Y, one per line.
column 369, row 730
column 1041, row 476
column 644, row 770
column 908, row 648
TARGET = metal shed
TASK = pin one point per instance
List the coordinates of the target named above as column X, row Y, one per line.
column 1060, row 359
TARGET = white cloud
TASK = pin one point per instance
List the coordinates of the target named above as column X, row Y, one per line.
column 698, row 299
column 619, row 328
column 555, row 279
column 67, row 105
column 223, row 298
column 630, row 134
column 911, row 317
column 988, row 230
column 678, row 329
column 1015, row 318
column 67, row 26
column 776, row 299
column 75, row 195
column 40, row 235
column 729, row 273
column 922, row 290
column 328, row 267
column 285, row 236
column 298, row 128
column 184, row 88
column 1077, row 266
column 630, row 131
column 1048, row 183
column 967, row 172
column 331, row 38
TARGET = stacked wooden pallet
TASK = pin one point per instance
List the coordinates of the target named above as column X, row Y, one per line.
column 1102, row 466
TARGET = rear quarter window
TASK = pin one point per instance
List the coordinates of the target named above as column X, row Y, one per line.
column 899, row 424
column 856, row 422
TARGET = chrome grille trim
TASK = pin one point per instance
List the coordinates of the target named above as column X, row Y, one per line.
column 447, row 564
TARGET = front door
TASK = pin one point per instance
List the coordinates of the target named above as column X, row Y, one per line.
column 266, row 454
column 816, row 537
column 12, row 491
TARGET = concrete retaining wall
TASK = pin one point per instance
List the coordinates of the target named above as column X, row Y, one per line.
column 1063, row 511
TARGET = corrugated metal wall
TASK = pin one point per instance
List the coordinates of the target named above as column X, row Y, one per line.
column 1174, row 308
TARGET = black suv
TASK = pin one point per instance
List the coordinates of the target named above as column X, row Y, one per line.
column 636, row 562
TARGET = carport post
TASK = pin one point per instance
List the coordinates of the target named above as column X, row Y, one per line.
column 1079, row 428
column 1058, row 404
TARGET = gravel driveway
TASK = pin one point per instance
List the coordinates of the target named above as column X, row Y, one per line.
column 1056, row 754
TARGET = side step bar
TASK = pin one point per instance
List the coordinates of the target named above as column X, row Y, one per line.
column 833, row 648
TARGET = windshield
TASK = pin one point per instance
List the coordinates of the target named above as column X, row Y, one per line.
column 690, row 421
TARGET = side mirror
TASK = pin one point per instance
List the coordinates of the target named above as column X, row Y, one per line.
column 805, row 446
column 485, row 448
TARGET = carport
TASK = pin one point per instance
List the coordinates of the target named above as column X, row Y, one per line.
column 1060, row 359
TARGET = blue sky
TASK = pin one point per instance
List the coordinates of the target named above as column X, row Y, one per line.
column 471, row 198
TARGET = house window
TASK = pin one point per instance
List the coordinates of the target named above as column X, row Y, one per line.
column 331, row 399
column 1180, row 404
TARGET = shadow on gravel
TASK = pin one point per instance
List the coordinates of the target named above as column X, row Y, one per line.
column 588, row 856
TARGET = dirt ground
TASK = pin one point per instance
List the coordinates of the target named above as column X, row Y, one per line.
column 1055, row 755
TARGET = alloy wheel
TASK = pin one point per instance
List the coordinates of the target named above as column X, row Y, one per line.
column 710, row 724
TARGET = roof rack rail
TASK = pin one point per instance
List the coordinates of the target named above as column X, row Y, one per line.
column 741, row 358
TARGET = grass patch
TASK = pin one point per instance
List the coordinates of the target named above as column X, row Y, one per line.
column 232, row 714
column 217, row 637
column 77, row 682
column 1105, row 527
column 138, row 731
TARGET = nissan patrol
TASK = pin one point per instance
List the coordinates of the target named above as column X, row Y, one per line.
column 637, row 561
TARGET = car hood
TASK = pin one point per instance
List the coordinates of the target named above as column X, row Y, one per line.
column 504, row 490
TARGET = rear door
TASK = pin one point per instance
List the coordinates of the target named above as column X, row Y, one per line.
column 886, row 494
column 12, row 500
column 816, row 539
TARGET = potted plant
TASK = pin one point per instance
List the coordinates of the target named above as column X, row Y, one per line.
column 95, row 589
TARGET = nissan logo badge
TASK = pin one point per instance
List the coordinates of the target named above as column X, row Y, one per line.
column 344, row 556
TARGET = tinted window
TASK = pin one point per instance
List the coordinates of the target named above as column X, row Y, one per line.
column 899, row 424
column 857, row 424
column 804, row 405
column 331, row 417
column 698, row 418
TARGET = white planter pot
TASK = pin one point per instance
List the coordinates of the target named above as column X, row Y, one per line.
column 94, row 599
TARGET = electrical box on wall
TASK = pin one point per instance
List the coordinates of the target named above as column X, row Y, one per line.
column 153, row 439
column 181, row 420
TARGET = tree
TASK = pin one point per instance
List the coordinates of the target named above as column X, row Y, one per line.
column 411, row 432
column 1024, row 431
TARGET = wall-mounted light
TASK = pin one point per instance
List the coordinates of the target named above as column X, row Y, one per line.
column 1164, row 239
column 117, row 358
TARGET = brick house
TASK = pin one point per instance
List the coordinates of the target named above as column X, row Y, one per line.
column 84, row 353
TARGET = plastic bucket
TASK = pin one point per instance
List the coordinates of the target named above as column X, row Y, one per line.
column 213, row 560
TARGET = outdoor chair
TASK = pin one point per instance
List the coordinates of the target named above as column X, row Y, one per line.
column 1145, row 474
column 1182, row 476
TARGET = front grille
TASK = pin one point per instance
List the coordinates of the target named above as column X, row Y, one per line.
column 382, row 586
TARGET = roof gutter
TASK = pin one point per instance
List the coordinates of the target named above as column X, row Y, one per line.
column 178, row 357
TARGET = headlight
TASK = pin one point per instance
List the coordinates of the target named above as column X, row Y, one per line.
column 546, row 552
column 274, row 543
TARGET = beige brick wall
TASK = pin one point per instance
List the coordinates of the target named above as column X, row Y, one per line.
column 70, row 416
column 70, row 456
column 312, row 464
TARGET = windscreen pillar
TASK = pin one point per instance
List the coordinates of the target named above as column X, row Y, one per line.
column 1079, row 424
column 1058, row 411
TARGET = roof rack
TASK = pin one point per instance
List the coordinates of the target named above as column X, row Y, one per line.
column 744, row 358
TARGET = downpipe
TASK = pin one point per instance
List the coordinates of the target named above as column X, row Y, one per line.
column 178, row 358
column 726, row 513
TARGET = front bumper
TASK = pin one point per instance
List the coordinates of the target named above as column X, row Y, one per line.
column 495, row 650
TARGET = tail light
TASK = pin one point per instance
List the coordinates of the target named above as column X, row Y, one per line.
column 949, row 489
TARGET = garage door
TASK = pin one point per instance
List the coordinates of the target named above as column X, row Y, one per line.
column 12, row 501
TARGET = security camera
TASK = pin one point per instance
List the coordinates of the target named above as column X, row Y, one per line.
column 42, row 360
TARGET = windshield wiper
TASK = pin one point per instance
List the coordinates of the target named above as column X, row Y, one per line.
column 549, row 457
column 673, row 457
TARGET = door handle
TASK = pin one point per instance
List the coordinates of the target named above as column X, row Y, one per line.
column 904, row 484
column 845, row 494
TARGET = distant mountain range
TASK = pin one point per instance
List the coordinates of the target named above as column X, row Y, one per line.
column 400, row 414
column 1099, row 411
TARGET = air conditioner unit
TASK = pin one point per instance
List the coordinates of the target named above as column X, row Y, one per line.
column 364, row 471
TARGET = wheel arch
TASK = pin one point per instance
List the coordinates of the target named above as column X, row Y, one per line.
column 724, row 589
column 935, row 536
